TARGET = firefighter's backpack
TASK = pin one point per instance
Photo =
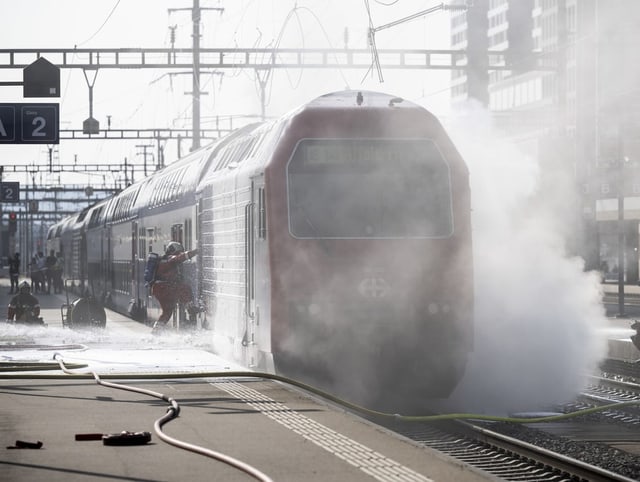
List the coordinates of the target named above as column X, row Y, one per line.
column 153, row 259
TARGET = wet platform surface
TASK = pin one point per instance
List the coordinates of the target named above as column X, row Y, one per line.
column 619, row 329
column 283, row 433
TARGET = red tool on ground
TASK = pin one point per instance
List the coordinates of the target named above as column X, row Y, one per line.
column 21, row 444
column 122, row 438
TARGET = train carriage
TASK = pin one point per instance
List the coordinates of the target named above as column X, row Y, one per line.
column 334, row 246
column 97, row 239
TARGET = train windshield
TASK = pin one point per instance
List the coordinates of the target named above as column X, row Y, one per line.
column 369, row 188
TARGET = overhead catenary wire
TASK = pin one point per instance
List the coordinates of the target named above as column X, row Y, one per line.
column 101, row 26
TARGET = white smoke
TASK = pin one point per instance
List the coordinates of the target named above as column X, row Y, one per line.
column 539, row 316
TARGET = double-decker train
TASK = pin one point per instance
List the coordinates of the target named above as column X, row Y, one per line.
column 334, row 247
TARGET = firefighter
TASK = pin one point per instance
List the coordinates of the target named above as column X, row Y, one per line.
column 168, row 286
column 24, row 307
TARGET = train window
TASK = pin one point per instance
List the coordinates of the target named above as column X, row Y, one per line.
column 154, row 195
column 187, row 234
column 110, row 212
column 369, row 188
column 122, row 276
column 224, row 155
column 162, row 188
column 236, row 152
column 95, row 216
column 177, row 233
column 181, row 185
column 255, row 147
column 178, row 188
column 169, row 186
column 142, row 242
column 116, row 209
column 151, row 238
column 233, row 151
column 82, row 216
column 243, row 150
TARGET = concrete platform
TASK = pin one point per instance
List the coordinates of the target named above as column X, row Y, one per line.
column 281, row 432
column 619, row 340
column 619, row 331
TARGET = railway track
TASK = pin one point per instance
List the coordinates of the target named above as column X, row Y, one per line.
column 601, row 446
column 506, row 456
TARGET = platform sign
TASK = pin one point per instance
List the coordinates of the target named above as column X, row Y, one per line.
column 29, row 124
column 610, row 182
column 10, row 192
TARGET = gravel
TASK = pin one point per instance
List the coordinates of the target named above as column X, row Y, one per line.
column 598, row 454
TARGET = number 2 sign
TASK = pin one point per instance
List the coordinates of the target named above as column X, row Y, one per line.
column 10, row 192
column 29, row 124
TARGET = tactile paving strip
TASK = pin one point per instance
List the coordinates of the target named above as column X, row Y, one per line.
column 369, row 461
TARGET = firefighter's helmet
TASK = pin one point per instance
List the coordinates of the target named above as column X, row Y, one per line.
column 174, row 248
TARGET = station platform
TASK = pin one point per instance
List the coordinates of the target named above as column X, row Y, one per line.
column 262, row 425
column 620, row 344
column 283, row 432
column 619, row 329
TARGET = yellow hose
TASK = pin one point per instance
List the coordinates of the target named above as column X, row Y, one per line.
column 316, row 391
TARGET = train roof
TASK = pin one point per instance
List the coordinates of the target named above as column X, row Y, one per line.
column 189, row 174
column 250, row 143
column 362, row 98
column 174, row 181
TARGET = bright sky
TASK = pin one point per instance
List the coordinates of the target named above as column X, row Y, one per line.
column 152, row 99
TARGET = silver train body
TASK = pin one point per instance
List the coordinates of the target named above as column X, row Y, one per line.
column 334, row 247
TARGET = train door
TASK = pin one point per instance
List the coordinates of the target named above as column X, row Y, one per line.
column 149, row 247
column 105, row 265
column 83, row 261
column 135, row 269
column 183, row 234
column 108, row 265
column 102, row 273
column 134, row 258
column 190, row 241
column 257, row 337
column 198, row 244
column 248, row 339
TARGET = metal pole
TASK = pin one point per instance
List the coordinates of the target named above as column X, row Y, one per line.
column 621, row 247
column 2, row 218
column 196, row 74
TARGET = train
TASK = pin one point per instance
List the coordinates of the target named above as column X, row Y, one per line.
column 335, row 247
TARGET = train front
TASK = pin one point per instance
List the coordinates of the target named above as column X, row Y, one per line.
column 370, row 241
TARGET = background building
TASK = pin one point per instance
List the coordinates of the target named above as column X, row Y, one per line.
column 572, row 99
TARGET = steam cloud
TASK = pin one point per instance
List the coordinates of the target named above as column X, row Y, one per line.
column 539, row 316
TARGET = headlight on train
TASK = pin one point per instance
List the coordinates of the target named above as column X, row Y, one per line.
column 312, row 309
column 438, row 309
